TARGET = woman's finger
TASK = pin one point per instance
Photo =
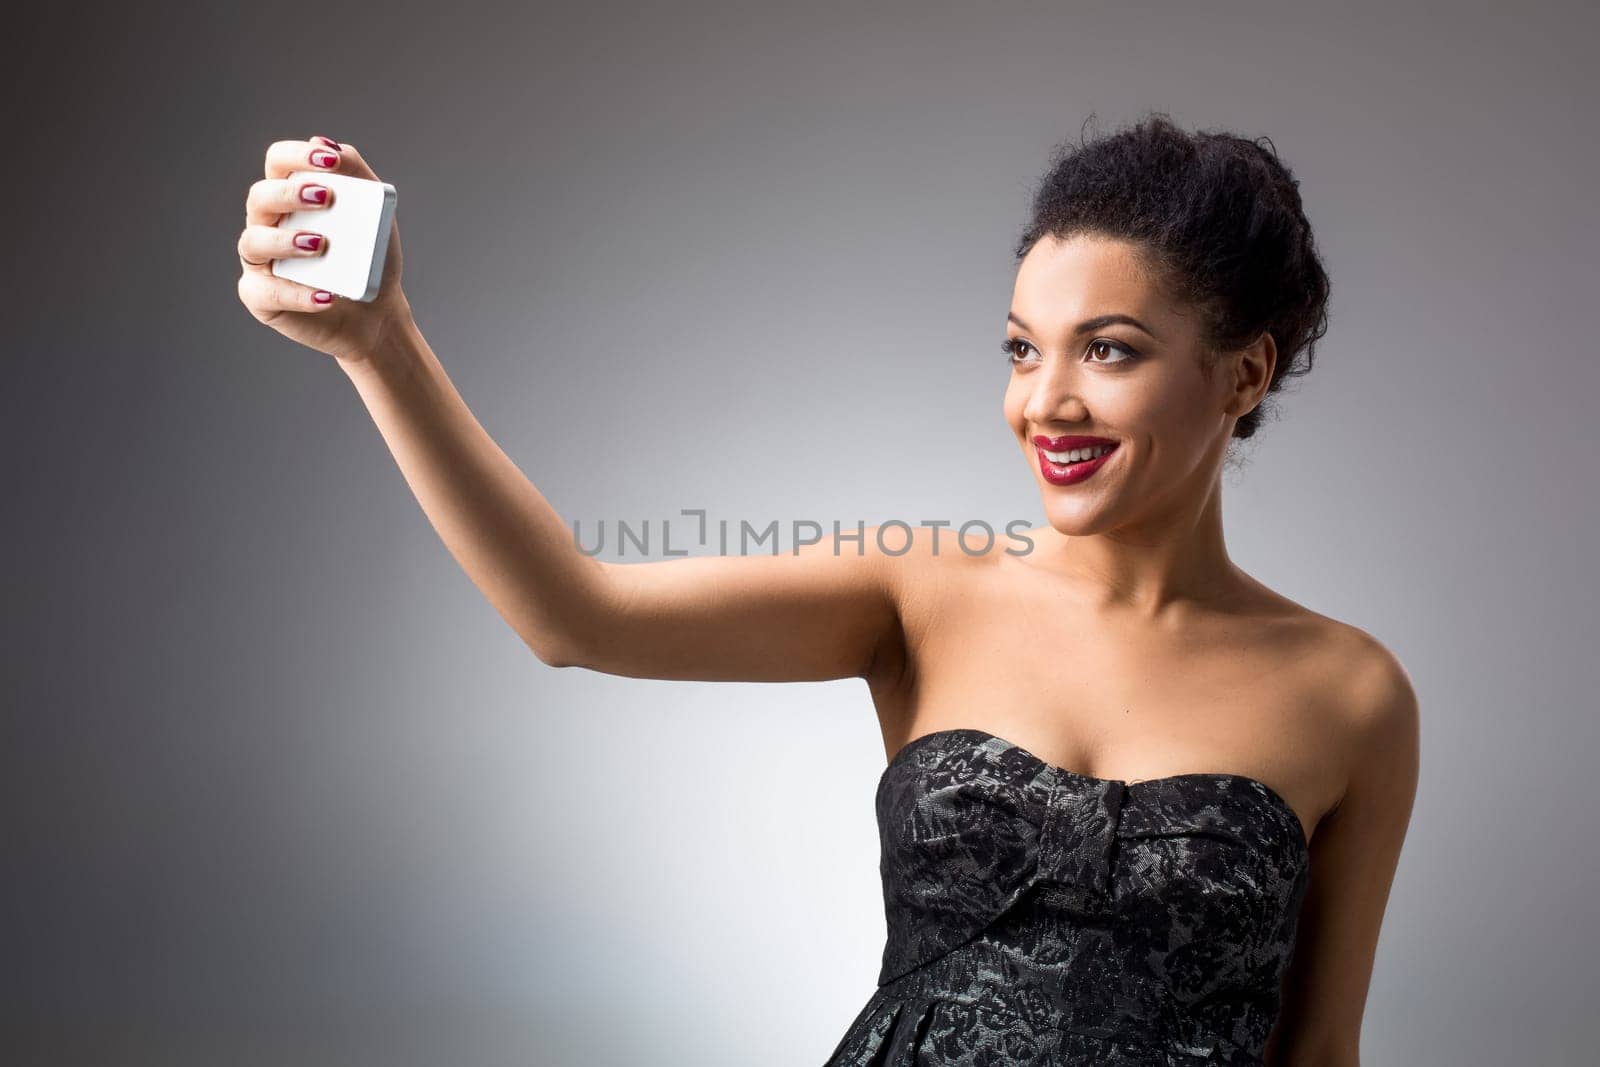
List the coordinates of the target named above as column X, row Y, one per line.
column 271, row 198
column 260, row 244
column 264, row 294
column 319, row 153
column 350, row 160
column 286, row 157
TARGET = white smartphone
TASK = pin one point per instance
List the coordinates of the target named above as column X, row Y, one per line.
column 356, row 230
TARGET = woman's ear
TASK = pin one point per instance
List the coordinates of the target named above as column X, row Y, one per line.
column 1252, row 374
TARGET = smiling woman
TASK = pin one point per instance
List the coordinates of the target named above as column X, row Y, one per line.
column 1139, row 807
column 1167, row 284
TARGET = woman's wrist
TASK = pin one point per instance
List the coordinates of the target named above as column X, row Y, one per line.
column 396, row 346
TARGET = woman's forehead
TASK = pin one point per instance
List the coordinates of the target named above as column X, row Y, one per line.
column 1064, row 282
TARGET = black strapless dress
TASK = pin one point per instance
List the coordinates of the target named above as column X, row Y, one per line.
column 1037, row 916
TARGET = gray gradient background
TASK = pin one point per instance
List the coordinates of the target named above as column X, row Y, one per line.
column 278, row 784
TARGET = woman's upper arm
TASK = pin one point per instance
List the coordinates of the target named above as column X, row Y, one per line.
column 1355, row 851
column 827, row 611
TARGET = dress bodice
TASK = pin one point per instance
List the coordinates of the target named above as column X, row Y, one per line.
column 1040, row 916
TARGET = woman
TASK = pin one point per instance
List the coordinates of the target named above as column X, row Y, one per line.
column 1139, row 808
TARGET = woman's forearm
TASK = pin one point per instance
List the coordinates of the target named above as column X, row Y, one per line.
column 506, row 536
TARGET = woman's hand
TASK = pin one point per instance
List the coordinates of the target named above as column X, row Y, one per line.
column 348, row 330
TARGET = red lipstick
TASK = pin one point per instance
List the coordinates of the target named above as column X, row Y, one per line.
column 1070, row 473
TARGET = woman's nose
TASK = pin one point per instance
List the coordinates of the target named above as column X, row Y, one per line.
column 1052, row 395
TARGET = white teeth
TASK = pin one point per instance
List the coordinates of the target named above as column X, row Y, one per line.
column 1077, row 455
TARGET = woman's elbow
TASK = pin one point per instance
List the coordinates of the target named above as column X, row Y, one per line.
column 553, row 651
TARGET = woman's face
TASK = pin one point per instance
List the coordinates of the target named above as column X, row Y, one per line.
column 1135, row 384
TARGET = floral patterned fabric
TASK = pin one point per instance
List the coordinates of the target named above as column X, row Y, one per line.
column 1037, row 916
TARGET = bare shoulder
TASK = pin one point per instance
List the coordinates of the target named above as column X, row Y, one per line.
column 1382, row 696
column 1375, row 688
column 1375, row 707
column 1385, row 727
column 924, row 566
column 1364, row 682
column 1367, row 716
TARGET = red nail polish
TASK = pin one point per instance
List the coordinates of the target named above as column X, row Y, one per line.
column 308, row 241
column 326, row 141
column 314, row 194
column 323, row 159
column 322, row 297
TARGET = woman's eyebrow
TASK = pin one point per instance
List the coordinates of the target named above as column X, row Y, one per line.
column 1093, row 324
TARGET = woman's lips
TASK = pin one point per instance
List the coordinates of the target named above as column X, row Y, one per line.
column 1068, row 473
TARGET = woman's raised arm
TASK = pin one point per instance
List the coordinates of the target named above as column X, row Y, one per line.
column 817, row 615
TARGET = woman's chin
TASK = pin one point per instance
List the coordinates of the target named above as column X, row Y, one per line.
column 1074, row 518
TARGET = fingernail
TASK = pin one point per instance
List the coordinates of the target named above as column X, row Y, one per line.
column 324, row 159
column 322, row 296
column 308, row 241
column 326, row 141
column 314, row 194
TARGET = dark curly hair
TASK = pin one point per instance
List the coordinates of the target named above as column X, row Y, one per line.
column 1215, row 217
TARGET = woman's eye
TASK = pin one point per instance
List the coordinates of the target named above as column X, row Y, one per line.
column 1014, row 347
column 1105, row 344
